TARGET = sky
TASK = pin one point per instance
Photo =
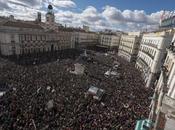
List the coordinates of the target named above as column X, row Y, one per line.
column 124, row 15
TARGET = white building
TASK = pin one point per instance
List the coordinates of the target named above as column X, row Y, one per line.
column 15, row 35
column 163, row 105
column 17, row 38
column 109, row 40
column 129, row 46
column 83, row 39
column 152, row 53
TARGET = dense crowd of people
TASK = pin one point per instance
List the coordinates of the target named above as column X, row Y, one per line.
column 48, row 97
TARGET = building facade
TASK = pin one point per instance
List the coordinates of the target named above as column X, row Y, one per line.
column 83, row 39
column 17, row 38
column 163, row 105
column 109, row 40
column 152, row 53
column 129, row 46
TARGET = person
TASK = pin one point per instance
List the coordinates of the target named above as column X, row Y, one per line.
column 25, row 104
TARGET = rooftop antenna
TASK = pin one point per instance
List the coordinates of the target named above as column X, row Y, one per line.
column 166, row 16
column 163, row 15
column 169, row 14
column 172, row 14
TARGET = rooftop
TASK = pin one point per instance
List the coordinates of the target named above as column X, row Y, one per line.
column 20, row 24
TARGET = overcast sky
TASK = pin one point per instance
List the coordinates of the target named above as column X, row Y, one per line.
column 126, row 15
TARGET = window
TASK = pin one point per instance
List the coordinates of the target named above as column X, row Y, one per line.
column 12, row 37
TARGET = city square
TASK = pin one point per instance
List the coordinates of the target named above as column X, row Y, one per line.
column 30, row 88
column 87, row 65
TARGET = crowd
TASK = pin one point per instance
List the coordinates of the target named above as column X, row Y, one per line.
column 47, row 97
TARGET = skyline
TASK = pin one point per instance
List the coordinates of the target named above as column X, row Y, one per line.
column 115, row 15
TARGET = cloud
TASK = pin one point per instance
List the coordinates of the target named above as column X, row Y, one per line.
column 109, row 18
column 113, row 14
column 131, row 20
column 64, row 3
column 66, row 17
column 27, row 3
column 21, row 11
column 90, row 14
column 136, row 16
column 3, row 5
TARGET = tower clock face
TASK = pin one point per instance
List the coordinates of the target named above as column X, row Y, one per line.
column 50, row 7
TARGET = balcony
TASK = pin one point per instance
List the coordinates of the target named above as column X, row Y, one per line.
column 142, row 62
column 149, row 44
column 168, row 106
column 125, row 51
column 126, row 46
column 146, row 52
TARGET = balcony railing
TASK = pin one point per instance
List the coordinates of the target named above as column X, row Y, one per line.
column 150, row 44
column 126, row 51
column 140, row 60
column 126, row 46
column 168, row 105
column 148, row 54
